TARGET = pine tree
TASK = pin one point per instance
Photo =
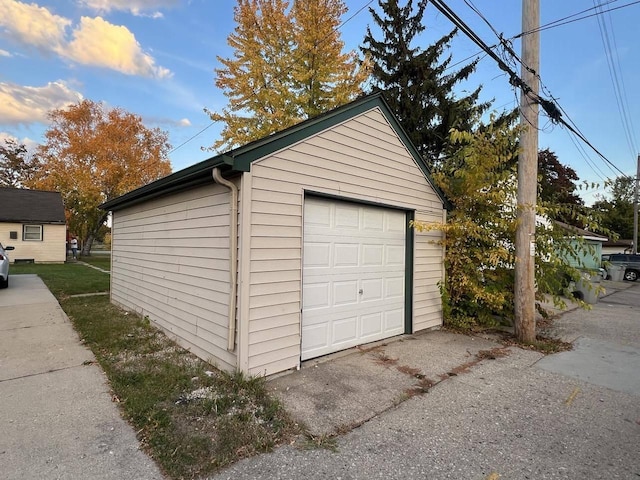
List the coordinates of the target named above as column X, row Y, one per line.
column 415, row 82
column 287, row 66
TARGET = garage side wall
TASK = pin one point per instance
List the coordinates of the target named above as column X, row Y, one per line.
column 361, row 159
column 170, row 262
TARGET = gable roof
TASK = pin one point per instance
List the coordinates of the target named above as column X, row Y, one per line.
column 241, row 158
column 31, row 206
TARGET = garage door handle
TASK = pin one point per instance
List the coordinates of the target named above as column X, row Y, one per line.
column 360, row 291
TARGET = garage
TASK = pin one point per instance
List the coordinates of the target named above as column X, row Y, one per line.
column 353, row 275
column 291, row 247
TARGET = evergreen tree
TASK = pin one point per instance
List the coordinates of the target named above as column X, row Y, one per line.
column 415, row 82
column 287, row 66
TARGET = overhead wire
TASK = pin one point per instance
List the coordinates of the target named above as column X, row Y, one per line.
column 617, row 79
column 558, row 23
column 551, row 107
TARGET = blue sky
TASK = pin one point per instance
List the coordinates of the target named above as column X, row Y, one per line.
column 156, row 58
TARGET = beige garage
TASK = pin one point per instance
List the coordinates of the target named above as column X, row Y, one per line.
column 289, row 248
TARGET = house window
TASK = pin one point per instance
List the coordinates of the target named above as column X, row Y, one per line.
column 32, row 233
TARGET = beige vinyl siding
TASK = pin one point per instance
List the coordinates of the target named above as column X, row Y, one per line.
column 52, row 248
column 428, row 270
column 170, row 262
column 360, row 159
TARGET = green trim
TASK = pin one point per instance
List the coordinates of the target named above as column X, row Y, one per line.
column 197, row 174
column 240, row 159
column 408, row 274
column 311, row 193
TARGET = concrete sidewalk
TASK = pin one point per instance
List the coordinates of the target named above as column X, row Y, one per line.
column 56, row 414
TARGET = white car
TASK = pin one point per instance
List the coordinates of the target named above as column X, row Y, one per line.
column 4, row 266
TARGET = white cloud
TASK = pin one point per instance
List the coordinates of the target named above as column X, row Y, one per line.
column 102, row 44
column 24, row 104
column 136, row 7
column 33, row 25
column 185, row 122
column 4, row 53
column 94, row 41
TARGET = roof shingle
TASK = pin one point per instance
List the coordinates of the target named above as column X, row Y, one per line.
column 36, row 206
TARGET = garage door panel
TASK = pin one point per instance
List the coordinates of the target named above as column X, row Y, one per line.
column 344, row 331
column 394, row 287
column 345, row 255
column 316, row 337
column 316, row 296
column 356, row 284
column 373, row 220
column 371, row 325
column 395, row 256
column 317, row 255
column 372, row 290
column 317, row 214
column 372, row 255
column 347, row 217
column 345, row 292
column 394, row 320
column 395, row 223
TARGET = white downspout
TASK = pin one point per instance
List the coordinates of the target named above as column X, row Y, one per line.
column 233, row 255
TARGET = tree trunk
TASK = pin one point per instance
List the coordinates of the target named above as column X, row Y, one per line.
column 91, row 235
column 86, row 245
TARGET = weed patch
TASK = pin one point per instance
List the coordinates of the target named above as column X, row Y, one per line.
column 191, row 417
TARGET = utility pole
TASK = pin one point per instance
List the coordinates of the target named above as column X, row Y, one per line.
column 525, row 321
column 635, row 210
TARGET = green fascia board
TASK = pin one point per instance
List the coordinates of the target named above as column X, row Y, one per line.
column 241, row 158
column 198, row 174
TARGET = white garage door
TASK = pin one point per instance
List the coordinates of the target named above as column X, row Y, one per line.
column 353, row 275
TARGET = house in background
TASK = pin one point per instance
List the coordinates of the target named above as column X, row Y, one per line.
column 33, row 222
column 587, row 244
column 288, row 248
column 617, row 246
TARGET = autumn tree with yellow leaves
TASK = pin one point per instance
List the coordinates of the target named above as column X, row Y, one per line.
column 92, row 154
column 287, row 66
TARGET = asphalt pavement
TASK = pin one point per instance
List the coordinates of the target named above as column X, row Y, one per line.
column 57, row 420
column 512, row 414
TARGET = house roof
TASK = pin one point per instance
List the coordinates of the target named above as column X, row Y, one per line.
column 240, row 159
column 618, row 243
column 581, row 232
column 31, row 206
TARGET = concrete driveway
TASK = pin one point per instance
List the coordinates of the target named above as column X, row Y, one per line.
column 56, row 415
column 573, row 415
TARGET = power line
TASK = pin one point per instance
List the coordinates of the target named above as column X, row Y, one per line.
column 551, row 107
column 559, row 23
column 551, row 24
column 617, row 80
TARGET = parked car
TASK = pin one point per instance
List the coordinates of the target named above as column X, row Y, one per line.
column 4, row 266
column 631, row 264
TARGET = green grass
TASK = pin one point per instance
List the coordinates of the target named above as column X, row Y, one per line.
column 192, row 418
column 100, row 261
column 66, row 279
